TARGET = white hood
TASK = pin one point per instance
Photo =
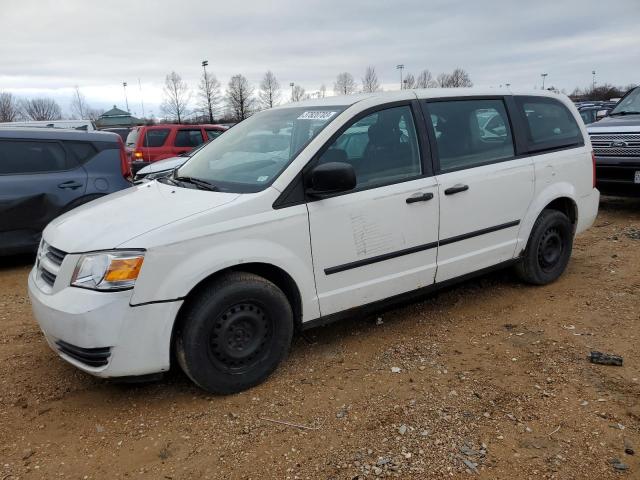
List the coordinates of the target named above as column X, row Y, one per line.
column 113, row 220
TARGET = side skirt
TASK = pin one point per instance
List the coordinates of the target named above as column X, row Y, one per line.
column 402, row 298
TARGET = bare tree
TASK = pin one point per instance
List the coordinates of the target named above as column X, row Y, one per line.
column 176, row 97
column 443, row 80
column 42, row 108
column 409, row 81
column 269, row 95
column 322, row 92
column 94, row 113
column 208, row 95
column 344, row 84
column 9, row 107
column 370, row 81
column 458, row 78
column 79, row 106
column 239, row 97
column 425, row 80
column 297, row 94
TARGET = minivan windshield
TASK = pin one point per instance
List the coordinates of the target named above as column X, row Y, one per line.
column 628, row 105
column 251, row 155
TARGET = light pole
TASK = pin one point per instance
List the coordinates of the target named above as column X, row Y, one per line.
column 291, row 85
column 400, row 67
column 206, row 86
column 593, row 85
column 124, row 87
column 543, row 75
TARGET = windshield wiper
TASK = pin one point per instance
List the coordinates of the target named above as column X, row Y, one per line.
column 624, row 112
column 203, row 184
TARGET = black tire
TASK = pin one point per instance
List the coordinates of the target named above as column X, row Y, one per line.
column 234, row 333
column 548, row 249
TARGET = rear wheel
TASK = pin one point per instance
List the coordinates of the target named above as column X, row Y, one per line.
column 548, row 250
column 235, row 333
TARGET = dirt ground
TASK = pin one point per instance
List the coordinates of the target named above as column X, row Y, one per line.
column 487, row 379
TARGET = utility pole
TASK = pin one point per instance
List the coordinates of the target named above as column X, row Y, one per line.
column 593, row 85
column 124, row 87
column 400, row 67
column 543, row 75
column 291, row 85
column 141, row 99
column 206, row 86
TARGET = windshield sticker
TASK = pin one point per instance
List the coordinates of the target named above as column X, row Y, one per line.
column 316, row 115
column 263, row 178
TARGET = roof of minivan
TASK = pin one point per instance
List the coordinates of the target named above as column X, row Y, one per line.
column 41, row 133
column 390, row 96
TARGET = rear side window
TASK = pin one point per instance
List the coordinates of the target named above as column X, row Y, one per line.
column 81, row 151
column 132, row 138
column 470, row 133
column 550, row 124
column 32, row 157
column 211, row 134
column 188, row 138
column 155, row 137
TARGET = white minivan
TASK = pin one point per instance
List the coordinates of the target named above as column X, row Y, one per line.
column 303, row 213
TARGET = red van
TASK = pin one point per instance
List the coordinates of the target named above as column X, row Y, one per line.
column 157, row 142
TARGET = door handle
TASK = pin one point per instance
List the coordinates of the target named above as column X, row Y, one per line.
column 420, row 198
column 456, row 189
column 72, row 184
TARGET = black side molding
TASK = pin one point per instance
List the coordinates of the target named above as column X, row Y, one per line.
column 477, row 233
column 418, row 248
column 379, row 258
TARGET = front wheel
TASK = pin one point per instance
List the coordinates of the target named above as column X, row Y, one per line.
column 548, row 250
column 234, row 333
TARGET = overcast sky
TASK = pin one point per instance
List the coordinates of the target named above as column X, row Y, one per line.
column 47, row 47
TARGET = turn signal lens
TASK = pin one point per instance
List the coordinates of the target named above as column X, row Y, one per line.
column 137, row 154
column 123, row 269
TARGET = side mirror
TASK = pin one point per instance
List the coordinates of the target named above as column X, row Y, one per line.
column 601, row 114
column 332, row 177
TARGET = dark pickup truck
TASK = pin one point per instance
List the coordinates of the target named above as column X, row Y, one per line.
column 616, row 144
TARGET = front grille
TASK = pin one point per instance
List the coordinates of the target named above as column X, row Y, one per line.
column 48, row 277
column 55, row 255
column 48, row 263
column 608, row 144
column 92, row 357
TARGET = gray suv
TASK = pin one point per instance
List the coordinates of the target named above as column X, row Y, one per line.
column 45, row 172
column 616, row 144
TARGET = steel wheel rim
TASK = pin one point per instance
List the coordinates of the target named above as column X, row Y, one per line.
column 240, row 337
column 550, row 249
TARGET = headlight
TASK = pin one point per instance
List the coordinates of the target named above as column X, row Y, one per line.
column 116, row 270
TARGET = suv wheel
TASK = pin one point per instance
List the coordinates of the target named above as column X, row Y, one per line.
column 548, row 250
column 234, row 333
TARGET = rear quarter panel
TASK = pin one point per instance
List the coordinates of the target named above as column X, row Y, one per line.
column 104, row 174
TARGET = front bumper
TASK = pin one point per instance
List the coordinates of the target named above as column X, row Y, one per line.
column 615, row 175
column 100, row 333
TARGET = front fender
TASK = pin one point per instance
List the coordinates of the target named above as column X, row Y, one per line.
column 541, row 200
column 171, row 271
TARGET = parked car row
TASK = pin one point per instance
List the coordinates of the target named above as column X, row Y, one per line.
column 149, row 144
column 47, row 169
